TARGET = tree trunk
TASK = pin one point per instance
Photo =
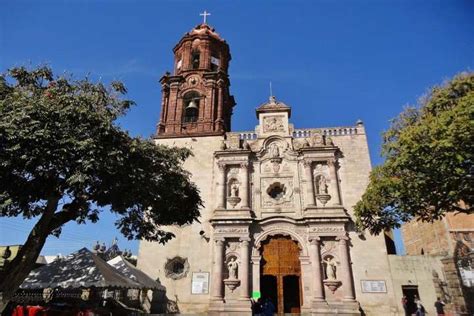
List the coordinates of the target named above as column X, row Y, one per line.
column 18, row 269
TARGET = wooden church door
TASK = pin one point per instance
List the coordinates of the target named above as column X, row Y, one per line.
column 281, row 274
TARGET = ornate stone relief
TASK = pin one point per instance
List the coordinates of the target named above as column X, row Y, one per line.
column 275, row 167
column 300, row 143
column 328, row 247
column 231, row 230
column 327, row 229
column 233, row 171
column 316, row 140
column 277, row 192
column 232, row 246
column 233, row 141
column 273, row 123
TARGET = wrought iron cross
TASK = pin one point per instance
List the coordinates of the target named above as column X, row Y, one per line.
column 204, row 14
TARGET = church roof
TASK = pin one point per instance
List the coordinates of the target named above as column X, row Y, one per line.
column 273, row 106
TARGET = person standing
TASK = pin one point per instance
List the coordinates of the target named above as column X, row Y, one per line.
column 420, row 309
column 405, row 305
column 439, row 305
column 268, row 307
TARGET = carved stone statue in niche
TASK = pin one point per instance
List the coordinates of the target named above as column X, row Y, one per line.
column 233, row 189
column 232, row 266
column 232, row 282
column 330, row 268
column 322, row 185
column 274, row 151
column 322, row 189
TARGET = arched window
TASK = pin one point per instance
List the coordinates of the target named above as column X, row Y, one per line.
column 191, row 107
column 195, row 59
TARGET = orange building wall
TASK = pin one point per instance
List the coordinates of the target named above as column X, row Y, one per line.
column 439, row 237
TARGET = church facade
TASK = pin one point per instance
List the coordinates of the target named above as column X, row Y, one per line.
column 277, row 218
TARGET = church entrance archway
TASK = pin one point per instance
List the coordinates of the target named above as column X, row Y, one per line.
column 280, row 279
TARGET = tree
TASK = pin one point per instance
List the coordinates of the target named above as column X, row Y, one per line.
column 428, row 168
column 64, row 158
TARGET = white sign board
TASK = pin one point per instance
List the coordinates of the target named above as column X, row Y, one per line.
column 200, row 283
column 373, row 286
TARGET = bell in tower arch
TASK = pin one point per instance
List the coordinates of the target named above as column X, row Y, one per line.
column 191, row 110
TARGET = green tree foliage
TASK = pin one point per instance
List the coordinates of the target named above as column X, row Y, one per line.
column 64, row 158
column 428, row 170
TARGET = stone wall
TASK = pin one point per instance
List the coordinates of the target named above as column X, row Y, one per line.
column 368, row 253
column 188, row 244
column 439, row 237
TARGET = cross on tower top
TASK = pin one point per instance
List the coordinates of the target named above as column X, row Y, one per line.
column 204, row 14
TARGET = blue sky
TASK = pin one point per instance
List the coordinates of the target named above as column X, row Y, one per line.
column 333, row 61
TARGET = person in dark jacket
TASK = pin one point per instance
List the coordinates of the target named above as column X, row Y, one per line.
column 439, row 305
column 268, row 308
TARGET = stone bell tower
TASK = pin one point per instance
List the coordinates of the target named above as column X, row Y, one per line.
column 195, row 98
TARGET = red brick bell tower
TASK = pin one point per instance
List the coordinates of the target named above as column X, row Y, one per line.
column 196, row 99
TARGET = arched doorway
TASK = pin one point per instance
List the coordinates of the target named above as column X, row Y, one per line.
column 280, row 278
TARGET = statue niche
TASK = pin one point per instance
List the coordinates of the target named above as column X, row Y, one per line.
column 233, row 188
column 275, row 156
column 331, row 273
column 322, row 189
column 232, row 282
column 330, row 268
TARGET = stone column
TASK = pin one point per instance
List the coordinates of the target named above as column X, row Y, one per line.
column 318, row 289
column 256, row 273
column 221, row 198
column 245, row 185
column 309, row 182
column 346, row 275
column 333, row 173
column 217, row 282
column 244, row 269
